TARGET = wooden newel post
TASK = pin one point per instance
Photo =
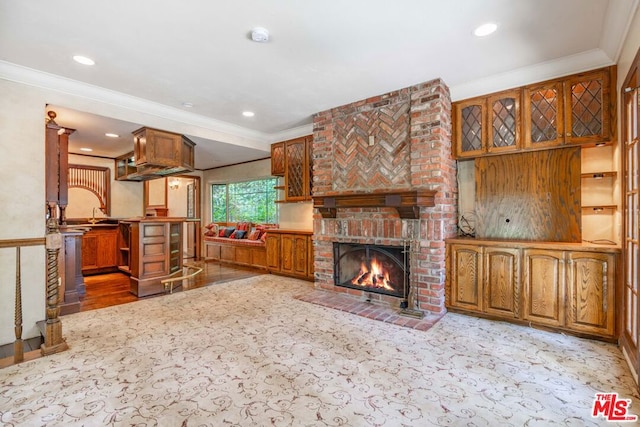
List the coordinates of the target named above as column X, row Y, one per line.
column 18, row 346
column 53, row 341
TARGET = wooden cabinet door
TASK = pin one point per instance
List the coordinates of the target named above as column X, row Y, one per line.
column 287, row 253
column 296, row 179
column 591, row 289
column 503, row 125
column 300, row 255
column 502, row 281
column 470, row 127
column 544, row 284
column 310, row 258
column 272, row 244
column 277, row 159
column 587, row 110
column 466, row 277
column 543, row 115
column 89, row 251
column 108, row 248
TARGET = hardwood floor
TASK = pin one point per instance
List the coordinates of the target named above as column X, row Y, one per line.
column 105, row 290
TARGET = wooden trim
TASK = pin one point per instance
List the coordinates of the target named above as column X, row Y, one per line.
column 407, row 202
column 12, row 243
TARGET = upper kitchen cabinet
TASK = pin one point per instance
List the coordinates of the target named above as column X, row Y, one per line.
column 488, row 124
column 160, row 149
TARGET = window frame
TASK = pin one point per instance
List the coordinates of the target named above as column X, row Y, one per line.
column 227, row 192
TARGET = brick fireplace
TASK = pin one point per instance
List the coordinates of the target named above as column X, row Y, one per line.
column 396, row 142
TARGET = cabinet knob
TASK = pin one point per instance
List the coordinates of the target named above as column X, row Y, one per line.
column 568, row 133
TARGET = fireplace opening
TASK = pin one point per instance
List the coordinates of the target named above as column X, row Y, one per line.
column 372, row 268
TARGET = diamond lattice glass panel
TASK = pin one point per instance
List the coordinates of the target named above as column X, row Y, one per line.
column 586, row 106
column 471, row 128
column 544, row 110
column 295, row 177
column 504, row 122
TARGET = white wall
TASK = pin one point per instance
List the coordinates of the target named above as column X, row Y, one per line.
column 126, row 196
column 293, row 216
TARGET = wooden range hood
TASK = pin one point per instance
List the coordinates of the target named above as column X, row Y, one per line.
column 406, row 202
column 160, row 153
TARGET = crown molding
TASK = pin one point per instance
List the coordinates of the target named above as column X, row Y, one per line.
column 291, row 133
column 589, row 60
column 617, row 22
column 28, row 76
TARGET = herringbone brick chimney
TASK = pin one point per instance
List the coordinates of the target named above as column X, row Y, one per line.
column 400, row 140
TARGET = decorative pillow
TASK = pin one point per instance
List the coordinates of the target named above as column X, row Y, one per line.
column 211, row 225
column 221, row 232
column 243, row 226
column 254, row 235
column 238, row 234
column 263, row 237
column 210, row 233
column 228, row 231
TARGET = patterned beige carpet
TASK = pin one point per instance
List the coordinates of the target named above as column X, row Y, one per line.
column 246, row 353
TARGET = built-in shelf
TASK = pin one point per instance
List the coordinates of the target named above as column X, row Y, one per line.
column 406, row 202
column 599, row 175
column 600, row 208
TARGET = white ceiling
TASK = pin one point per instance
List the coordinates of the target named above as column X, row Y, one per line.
column 153, row 55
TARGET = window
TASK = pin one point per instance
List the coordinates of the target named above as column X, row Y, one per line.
column 253, row 201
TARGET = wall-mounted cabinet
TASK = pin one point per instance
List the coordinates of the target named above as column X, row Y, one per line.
column 489, row 124
column 572, row 110
column 292, row 160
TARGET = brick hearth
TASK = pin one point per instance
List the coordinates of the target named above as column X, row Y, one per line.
column 397, row 141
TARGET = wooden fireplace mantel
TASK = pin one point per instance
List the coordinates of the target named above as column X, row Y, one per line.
column 406, row 202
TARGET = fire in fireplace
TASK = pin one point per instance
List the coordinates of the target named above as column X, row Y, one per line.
column 372, row 268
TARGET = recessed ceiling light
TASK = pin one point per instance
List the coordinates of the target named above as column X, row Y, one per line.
column 83, row 60
column 485, row 29
column 248, row 113
column 85, row 149
column 187, row 105
column 112, row 135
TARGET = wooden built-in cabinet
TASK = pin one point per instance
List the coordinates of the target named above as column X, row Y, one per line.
column 125, row 165
column 290, row 252
column 572, row 110
column 100, row 249
column 72, row 286
column 150, row 250
column 292, row 160
column 569, row 287
column 277, row 159
column 488, row 124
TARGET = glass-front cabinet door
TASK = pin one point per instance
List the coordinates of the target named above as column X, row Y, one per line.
column 543, row 115
column 587, row 109
column 471, row 125
column 504, row 121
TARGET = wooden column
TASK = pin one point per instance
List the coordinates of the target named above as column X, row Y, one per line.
column 56, row 167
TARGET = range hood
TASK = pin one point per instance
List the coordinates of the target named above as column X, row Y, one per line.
column 159, row 153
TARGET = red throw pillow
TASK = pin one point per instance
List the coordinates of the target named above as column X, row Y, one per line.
column 263, row 237
column 221, row 232
column 210, row 233
column 254, row 235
